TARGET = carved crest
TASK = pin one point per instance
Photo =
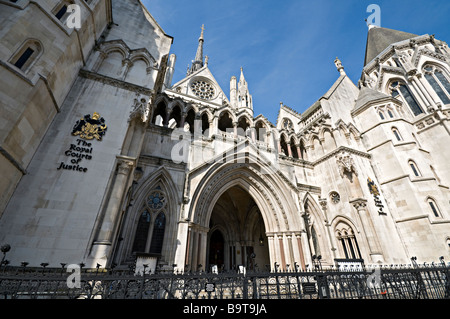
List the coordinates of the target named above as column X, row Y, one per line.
column 345, row 164
column 89, row 127
column 372, row 187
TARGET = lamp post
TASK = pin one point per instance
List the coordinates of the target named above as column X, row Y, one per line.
column 4, row 249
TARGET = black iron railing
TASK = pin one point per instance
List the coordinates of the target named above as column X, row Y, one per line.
column 426, row 281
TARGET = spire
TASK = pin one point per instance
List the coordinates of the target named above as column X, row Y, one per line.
column 198, row 61
column 244, row 98
column 241, row 78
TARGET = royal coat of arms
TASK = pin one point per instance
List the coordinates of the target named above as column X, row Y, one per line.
column 89, row 127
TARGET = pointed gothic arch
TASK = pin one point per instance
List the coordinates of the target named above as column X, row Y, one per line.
column 149, row 226
column 315, row 229
column 272, row 197
column 347, row 238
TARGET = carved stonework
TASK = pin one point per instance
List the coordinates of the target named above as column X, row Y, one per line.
column 125, row 167
column 346, row 164
column 141, row 109
column 359, row 204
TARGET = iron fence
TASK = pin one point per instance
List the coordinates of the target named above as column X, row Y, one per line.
column 427, row 281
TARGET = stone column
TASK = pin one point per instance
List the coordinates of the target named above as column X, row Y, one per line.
column 291, row 258
column 235, row 124
column 253, row 133
column 323, row 205
column 282, row 255
column 182, row 120
column 366, row 222
column 298, row 242
column 166, row 118
column 289, row 149
column 299, row 152
column 101, row 247
column 272, row 251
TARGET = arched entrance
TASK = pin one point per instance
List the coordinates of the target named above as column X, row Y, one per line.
column 216, row 249
column 236, row 233
column 249, row 202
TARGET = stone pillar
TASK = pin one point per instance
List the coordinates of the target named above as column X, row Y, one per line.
column 289, row 149
column 366, row 222
column 235, row 124
column 272, row 251
column 253, row 133
column 182, row 120
column 126, row 65
column 282, row 255
column 299, row 152
column 167, row 118
column 101, row 247
column 290, row 258
column 299, row 248
column 323, row 205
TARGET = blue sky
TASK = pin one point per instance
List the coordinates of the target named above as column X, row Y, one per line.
column 286, row 47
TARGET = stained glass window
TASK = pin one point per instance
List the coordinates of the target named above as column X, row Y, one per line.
column 156, row 200
column 398, row 88
column 140, row 237
column 438, row 82
column 152, row 222
column 158, row 233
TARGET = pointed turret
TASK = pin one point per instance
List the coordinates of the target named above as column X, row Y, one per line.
column 244, row 97
column 197, row 64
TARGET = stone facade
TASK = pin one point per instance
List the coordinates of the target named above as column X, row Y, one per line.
column 107, row 162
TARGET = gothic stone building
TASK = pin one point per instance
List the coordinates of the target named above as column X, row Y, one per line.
column 105, row 161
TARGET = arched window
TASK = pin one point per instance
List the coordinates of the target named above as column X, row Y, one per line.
column 439, row 82
column 283, row 145
column 396, row 134
column 61, row 10
column 226, row 122
column 151, row 213
column 391, row 115
column 141, row 234
column 414, row 168
column 159, row 115
column 261, row 131
column 381, row 115
column 158, row 234
column 434, row 207
column 399, row 89
column 315, row 242
column 294, row 148
column 27, row 55
column 348, row 242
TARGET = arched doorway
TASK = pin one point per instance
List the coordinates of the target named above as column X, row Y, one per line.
column 237, row 233
column 216, row 249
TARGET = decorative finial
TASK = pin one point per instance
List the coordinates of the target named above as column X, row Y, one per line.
column 339, row 66
column 203, row 29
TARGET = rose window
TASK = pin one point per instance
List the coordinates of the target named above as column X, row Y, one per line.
column 156, row 200
column 203, row 90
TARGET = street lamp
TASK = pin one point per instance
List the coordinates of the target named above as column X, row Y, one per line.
column 4, row 249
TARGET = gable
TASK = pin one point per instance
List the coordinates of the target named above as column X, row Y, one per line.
column 201, row 86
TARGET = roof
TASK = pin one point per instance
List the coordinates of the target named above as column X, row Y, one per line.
column 379, row 39
column 367, row 95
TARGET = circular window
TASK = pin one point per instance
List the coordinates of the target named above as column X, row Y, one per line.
column 335, row 197
column 203, row 89
column 156, row 200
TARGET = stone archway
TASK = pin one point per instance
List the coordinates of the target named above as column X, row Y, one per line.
column 244, row 241
column 275, row 199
